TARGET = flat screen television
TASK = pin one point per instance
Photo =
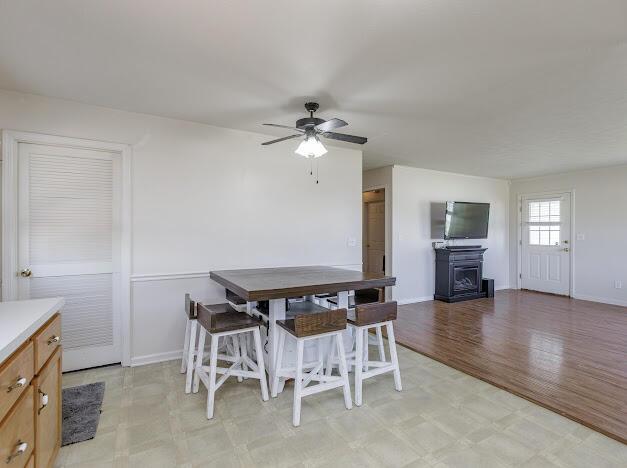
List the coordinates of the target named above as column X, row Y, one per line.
column 465, row 220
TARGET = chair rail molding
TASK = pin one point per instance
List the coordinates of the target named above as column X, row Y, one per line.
column 142, row 277
column 10, row 142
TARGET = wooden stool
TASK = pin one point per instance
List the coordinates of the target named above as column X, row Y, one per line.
column 221, row 320
column 367, row 316
column 189, row 345
column 312, row 326
column 362, row 296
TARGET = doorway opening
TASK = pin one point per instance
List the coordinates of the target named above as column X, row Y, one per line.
column 373, row 252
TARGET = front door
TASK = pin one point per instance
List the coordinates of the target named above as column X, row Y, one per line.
column 69, row 245
column 376, row 237
column 546, row 244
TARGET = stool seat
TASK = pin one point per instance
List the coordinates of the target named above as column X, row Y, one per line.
column 321, row 321
column 219, row 318
column 371, row 313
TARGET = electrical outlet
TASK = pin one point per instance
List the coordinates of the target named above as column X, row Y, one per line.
column 618, row 284
column 581, row 236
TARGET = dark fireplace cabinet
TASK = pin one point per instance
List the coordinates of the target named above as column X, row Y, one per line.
column 458, row 273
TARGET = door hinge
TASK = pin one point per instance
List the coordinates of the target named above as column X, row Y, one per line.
column 520, row 242
column 520, row 275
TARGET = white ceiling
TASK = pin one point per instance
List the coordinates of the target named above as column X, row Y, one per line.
column 505, row 88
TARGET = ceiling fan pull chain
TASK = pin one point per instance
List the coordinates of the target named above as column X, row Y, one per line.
column 317, row 178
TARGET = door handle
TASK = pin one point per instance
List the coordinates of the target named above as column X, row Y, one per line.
column 566, row 249
column 26, row 273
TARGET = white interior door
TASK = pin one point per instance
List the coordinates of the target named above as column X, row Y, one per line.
column 375, row 247
column 69, row 245
column 546, row 242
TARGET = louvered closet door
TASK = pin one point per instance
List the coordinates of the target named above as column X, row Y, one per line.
column 69, row 242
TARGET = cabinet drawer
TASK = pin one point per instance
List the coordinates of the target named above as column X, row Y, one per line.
column 15, row 375
column 47, row 340
column 17, row 433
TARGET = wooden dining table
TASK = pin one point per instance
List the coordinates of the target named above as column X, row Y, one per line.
column 278, row 284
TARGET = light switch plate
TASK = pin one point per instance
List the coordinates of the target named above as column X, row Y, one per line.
column 581, row 236
column 351, row 242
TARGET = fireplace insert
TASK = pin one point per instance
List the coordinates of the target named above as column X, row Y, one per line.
column 458, row 273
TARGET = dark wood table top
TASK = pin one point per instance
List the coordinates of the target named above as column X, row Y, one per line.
column 260, row 284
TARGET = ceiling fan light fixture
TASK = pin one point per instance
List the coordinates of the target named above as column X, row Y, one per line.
column 311, row 147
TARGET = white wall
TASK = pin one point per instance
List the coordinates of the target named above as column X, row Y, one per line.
column 208, row 198
column 600, row 215
column 414, row 190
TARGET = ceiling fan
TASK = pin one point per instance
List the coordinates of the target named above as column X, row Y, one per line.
column 312, row 128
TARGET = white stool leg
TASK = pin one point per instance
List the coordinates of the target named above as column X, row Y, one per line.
column 320, row 345
column 298, row 382
column 329, row 369
column 236, row 353
column 274, row 386
column 199, row 356
column 243, row 341
column 348, row 402
column 359, row 356
column 191, row 352
column 260, row 364
column 394, row 356
column 185, row 347
column 213, row 364
column 366, row 349
column 380, row 343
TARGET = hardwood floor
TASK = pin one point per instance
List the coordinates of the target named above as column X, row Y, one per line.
column 567, row 355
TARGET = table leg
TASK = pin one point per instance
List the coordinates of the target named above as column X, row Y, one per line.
column 277, row 312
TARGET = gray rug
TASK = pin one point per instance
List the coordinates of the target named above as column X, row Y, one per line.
column 81, row 412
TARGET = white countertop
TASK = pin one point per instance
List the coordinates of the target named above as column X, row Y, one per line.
column 20, row 319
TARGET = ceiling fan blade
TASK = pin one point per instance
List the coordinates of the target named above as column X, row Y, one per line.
column 344, row 137
column 283, row 126
column 330, row 125
column 282, row 139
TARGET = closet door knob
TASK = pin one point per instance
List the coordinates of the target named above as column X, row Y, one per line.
column 26, row 273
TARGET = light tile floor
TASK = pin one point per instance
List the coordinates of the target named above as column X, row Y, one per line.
column 443, row 418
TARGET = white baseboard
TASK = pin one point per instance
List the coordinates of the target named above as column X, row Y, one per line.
column 154, row 358
column 602, row 300
column 414, row 300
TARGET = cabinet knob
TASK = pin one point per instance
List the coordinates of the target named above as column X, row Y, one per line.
column 44, row 401
column 26, row 273
column 20, row 448
column 54, row 339
column 20, row 382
